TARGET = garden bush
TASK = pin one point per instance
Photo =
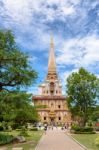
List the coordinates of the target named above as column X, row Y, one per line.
column 74, row 126
column 1, row 128
column 23, row 132
column 5, row 139
column 80, row 130
column 34, row 129
column 97, row 141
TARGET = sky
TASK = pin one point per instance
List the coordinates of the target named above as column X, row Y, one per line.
column 75, row 28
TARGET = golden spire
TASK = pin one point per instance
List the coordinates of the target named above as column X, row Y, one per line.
column 52, row 62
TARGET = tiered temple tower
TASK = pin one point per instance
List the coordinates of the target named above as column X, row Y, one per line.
column 52, row 105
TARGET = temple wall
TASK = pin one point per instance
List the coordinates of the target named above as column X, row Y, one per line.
column 56, row 109
column 53, row 104
column 61, row 117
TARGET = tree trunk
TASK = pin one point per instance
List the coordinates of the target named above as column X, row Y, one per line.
column 83, row 121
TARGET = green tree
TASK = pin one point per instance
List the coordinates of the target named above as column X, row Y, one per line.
column 95, row 115
column 15, row 72
column 82, row 90
column 16, row 108
column 14, row 67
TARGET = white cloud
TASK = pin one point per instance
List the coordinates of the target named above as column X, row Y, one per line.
column 31, row 16
column 83, row 52
column 80, row 52
column 22, row 11
column 32, row 59
column 62, row 2
column 17, row 11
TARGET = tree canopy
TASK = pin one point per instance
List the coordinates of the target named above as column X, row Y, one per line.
column 15, row 72
column 14, row 67
column 16, row 108
column 82, row 90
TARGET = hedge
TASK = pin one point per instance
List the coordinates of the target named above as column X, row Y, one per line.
column 82, row 130
column 5, row 139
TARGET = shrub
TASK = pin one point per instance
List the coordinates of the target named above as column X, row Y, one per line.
column 82, row 129
column 2, row 125
column 17, row 126
column 89, row 123
column 5, row 139
column 1, row 128
column 74, row 126
column 23, row 132
column 34, row 129
column 97, row 141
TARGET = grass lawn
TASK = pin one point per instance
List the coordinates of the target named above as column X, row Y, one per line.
column 87, row 140
column 32, row 140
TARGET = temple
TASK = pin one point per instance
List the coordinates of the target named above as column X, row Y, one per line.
column 51, row 104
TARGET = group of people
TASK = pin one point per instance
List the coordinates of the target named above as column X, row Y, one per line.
column 63, row 127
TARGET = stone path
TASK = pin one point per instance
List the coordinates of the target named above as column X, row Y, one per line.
column 57, row 140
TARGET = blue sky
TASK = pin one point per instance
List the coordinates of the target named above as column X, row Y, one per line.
column 75, row 27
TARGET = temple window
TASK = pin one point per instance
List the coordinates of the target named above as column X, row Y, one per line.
column 59, row 106
column 52, row 88
column 44, row 118
column 59, row 118
column 52, row 92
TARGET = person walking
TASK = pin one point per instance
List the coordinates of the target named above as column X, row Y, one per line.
column 45, row 128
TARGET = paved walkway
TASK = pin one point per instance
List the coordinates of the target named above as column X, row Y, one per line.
column 57, row 140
